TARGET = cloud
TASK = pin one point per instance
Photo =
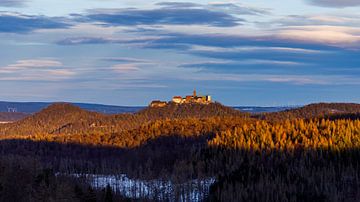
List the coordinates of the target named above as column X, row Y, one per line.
column 167, row 13
column 243, row 63
column 12, row 3
column 35, row 70
column 268, row 49
column 330, row 20
column 331, row 30
column 179, row 5
column 332, row 35
column 127, row 60
column 19, row 23
column 252, row 66
column 276, row 78
column 168, row 21
column 130, row 65
column 219, row 6
column 86, row 40
column 125, row 68
column 335, row 3
column 105, row 40
column 326, row 35
column 33, row 64
column 61, row 72
column 238, row 9
column 223, row 44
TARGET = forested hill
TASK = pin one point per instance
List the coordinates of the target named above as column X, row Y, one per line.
column 64, row 118
column 51, row 119
column 318, row 110
column 189, row 110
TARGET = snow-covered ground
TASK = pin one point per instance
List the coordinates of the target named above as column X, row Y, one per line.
column 194, row 190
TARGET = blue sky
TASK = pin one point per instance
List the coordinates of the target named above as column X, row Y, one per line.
column 127, row 52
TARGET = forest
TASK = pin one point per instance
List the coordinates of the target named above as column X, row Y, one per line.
column 305, row 154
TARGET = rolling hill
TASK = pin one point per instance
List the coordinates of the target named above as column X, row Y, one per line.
column 66, row 118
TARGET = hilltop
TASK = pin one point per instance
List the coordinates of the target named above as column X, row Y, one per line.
column 51, row 120
column 173, row 110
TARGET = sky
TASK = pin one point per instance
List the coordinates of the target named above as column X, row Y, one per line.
column 126, row 52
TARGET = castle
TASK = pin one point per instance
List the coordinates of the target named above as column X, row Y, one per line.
column 184, row 100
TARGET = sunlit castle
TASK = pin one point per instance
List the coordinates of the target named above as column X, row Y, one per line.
column 192, row 99
column 188, row 99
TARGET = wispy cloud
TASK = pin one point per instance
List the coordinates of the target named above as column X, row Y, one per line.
column 255, row 49
column 33, row 64
column 273, row 78
column 35, row 70
column 19, row 23
column 61, row 72
column 165, row 13
column 179, row 5
column 331, row 35
column 12, row 3
column 127, row 60
column 239, row 9
column 107, row 40
column 226, row 7
column 335, row 3
column 125, row 68
column 318, row 19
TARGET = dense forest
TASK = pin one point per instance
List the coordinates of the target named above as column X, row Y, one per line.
column 305, row 154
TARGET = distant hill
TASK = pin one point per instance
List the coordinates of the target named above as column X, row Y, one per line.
column 53, row 119
column 11, row 116
column 256, row 109
column 33, row 107
column 317, row 110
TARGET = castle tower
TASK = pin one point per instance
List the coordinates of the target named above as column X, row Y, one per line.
column 194, row 93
